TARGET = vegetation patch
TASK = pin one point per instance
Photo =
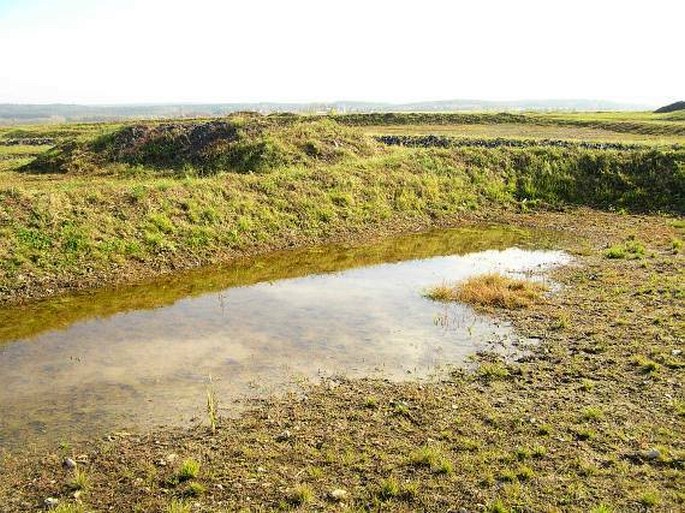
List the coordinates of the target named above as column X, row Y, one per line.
column 243, row 144
column 491, row 290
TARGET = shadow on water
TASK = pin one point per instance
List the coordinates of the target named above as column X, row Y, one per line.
column 141, row 356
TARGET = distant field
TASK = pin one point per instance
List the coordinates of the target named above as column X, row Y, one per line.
column 523, row 131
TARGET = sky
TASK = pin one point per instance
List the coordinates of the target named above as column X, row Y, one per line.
column 170, row 51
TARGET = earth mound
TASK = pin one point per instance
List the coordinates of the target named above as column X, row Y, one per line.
column 244, row 144
column 671, row 108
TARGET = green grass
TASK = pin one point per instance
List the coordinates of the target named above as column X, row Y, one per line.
column 190, row 469
column 177, row 506
column 433, row 458
column 631, row 249
column 112, row 209
column 80, row 480
column 69, row 508
column 301, row 495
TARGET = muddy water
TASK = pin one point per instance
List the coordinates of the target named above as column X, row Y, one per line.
column 144, row 356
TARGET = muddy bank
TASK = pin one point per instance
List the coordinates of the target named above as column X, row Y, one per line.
column 593, row 420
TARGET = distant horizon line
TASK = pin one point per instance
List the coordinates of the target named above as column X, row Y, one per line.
column 648, row 104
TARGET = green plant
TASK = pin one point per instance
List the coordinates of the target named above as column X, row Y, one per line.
column 190, row 469
column 80, row 480
column 593, row 413
column 498, row 507
column 389, row 489
column 177, row 506
column 300, row 495
column 432, row 457
column 371, row 402
column 195, row 489
column 65, row 507
column 646, row 365
column 650, row 499
column 584, row 434
column 630, row 250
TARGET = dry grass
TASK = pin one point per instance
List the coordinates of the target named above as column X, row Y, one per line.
column 492, row 289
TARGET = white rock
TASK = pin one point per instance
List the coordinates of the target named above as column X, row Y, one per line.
column 338, row 494
column 51, row 502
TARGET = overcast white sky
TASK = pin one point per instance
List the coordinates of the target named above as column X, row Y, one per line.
column 134, row 51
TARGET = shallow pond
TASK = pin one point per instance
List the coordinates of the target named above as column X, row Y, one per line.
column 143, row 356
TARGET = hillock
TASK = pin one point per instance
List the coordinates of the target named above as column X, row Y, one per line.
column 673, row 107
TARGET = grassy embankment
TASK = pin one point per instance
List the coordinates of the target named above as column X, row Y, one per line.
column 118, row 202
column 593, row 420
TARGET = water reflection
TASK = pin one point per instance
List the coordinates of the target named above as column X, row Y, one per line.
column 142, row 356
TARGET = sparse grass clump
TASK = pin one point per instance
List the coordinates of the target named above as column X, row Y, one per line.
column 80, row 481
column 432, row 457
column 67, row 507
column 632, row 249
column 190, row 469
column 498, row 507
column 389, row 489
column 300, row 495
column 195, row 489
column 645, row 364
column 491, row 290
column 593, row 413
column 650, row 499
column 177, row 506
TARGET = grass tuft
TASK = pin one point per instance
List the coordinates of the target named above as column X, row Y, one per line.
column 190, row 469
column 433, row 458
column 493, row 290
column 177, row 506
column 630, row 250
column 300, row 495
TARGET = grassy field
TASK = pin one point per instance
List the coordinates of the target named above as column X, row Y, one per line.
column 111, row 203
column 593, row 420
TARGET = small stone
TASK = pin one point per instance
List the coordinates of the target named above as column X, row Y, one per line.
column 676, row 352
column 69, row 464
column 283, row 436
column 219, row 486
column 652, row 454
column 261, row 470
column 338, row 494
column 51, row 502
column 77, row 494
